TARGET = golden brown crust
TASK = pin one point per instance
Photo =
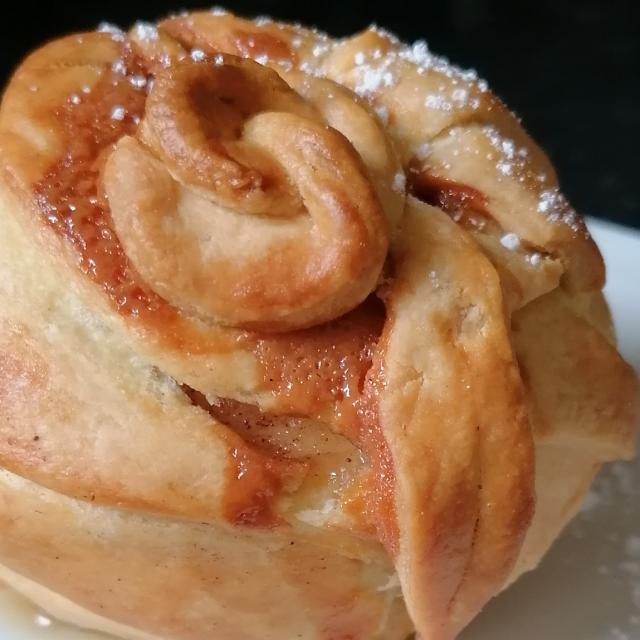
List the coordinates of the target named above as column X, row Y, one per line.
column 234, row 343
column 448, row 125
column 573, row 373
column 462, row 424
column 179, row 580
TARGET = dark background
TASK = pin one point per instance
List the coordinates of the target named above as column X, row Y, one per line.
column 571, row 70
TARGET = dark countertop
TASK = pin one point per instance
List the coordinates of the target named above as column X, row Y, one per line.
column 571, row 70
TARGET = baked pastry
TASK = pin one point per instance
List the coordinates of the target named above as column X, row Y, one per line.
column 300, row 338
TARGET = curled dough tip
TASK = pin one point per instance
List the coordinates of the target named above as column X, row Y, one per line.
column 238, row 203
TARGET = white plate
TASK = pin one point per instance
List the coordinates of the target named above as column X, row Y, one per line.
column 588, row 587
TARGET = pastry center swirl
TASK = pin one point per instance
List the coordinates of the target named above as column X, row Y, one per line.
column 238, row 203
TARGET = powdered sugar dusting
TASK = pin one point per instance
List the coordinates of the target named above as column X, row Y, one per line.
column 146, row 31
column 113, row 30
column 118, row 113
column 138, row 81
column 438, row 101
column 512, row 161
column 399, row 182
column 118, row 66
column 510, row 241
column 371, row 80
column 419, row 54
column 556, row 207
column 197, row 55
column 455, row 100
column 320, row 49
column 534, row 259
column 285, row 65
column 310, row 69
column 375, row 71
column 382, row 113
column 423, row 151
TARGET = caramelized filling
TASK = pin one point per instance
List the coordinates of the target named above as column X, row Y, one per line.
column 374, row 497
column 321, row 371
column 466, row 205
column 333, row 373
column 289, row 437
column 68, row 194
column 257, row 476
column 272, row 453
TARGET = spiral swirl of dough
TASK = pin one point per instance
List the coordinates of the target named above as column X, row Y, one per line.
column 238, row 203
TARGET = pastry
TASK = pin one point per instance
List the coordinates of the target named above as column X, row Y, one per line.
column 300, row 338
